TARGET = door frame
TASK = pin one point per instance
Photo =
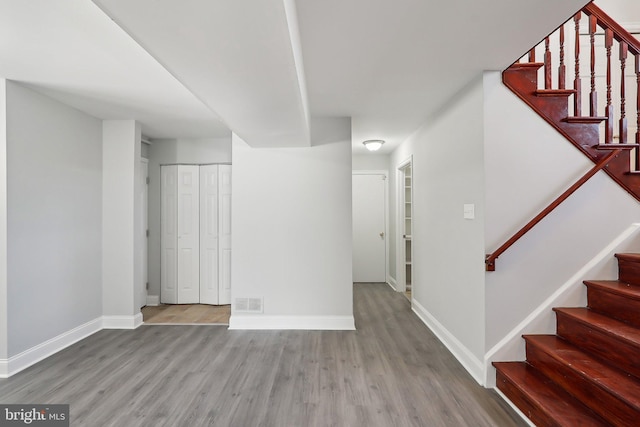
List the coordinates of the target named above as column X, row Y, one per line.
column 386, row 212
column 144, row 218
column 400, row 215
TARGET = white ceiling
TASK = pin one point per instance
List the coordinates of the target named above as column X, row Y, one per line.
column 70, row 50
column 197, row 68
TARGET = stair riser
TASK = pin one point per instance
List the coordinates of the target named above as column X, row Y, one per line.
column 522, row 401
column 629, row 271
column 615, row 306
column 589, row 393
column 600, row 344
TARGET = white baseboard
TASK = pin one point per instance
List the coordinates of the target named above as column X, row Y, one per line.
column 542, row 320
column 153, row 300
column 27, row 358
column 328, row 323
column 392, row 282
column 122, row 322
column 468, row 360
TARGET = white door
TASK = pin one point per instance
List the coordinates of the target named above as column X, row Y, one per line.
column 169, row 235
column 209, row 234
column 144, row 211
column 369, row 249
column 224, row 227
column 188, row 234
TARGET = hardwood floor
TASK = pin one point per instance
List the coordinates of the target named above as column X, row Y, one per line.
column 187, row 313
column 392, row 371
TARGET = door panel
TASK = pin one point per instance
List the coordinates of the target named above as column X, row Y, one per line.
column 144, row 215
column 209, row 234
column 188, row 235
column 369, row 251
column 224, row 224
column 169, row 236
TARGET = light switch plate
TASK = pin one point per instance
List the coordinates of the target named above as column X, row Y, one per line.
column 469, row 211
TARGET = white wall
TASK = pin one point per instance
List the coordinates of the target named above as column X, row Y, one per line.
column 292, row 235
column 370, row 161
column 623, row 11
column 528, row 164
column 173, row 151
column 120, row 183
column 54, row 166
column 448, row 251
column 3, row 224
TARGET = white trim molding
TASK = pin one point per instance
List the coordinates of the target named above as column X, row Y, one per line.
column 27, row 358
column 469, row 361
column 122, row 322
column 572, row 293
column 400, row 261
column 392, row 282
column 318, row 323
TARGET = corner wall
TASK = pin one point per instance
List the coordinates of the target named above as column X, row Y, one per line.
column 292, row 235
column 121, row 238
column 4, row 304
column 54, row 202
column 448, row 250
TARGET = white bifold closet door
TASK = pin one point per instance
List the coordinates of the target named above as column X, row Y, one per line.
column 180, row 268
column 215, row 234
column 196, row 234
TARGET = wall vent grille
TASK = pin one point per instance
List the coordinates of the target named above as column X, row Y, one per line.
column 248, row 305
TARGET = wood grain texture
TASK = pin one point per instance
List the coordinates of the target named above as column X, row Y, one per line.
column 391, row 371
column 187, row 313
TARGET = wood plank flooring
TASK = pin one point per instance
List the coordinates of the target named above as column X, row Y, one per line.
column 187, row 313
column 392, row 371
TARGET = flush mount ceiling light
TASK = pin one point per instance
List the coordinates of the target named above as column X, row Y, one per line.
column 373, row 144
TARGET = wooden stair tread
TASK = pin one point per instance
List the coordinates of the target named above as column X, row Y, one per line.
column 616, row 146
column 615, row 382
column 521, row 65
column 555, row 92
column 584, row 119
column 617, row 287
column 603, row 323
column 628, row 257
column 546, row 396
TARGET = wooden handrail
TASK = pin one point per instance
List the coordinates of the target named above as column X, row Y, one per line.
column 490, row 260
column 582, row 130
column 607, row 22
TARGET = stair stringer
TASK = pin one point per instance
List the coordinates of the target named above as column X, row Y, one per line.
column 572, row 293
column 522, row 80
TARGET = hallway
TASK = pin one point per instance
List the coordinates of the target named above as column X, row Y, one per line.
column 390, row 372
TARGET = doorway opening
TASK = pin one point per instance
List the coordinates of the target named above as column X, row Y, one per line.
column 405, row 224
column 369, row 195
column 195, row 245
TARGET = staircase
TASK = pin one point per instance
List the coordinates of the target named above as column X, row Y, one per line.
column 606, row 61
column 588, row 374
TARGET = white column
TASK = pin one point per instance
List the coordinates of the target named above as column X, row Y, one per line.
column 4, row 351
column 120, row 239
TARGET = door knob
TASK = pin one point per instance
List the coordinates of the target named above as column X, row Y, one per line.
column 382, row 235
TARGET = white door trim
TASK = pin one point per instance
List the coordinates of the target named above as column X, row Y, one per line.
column 386, row 213
column 401, row 278
column 144, row 219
